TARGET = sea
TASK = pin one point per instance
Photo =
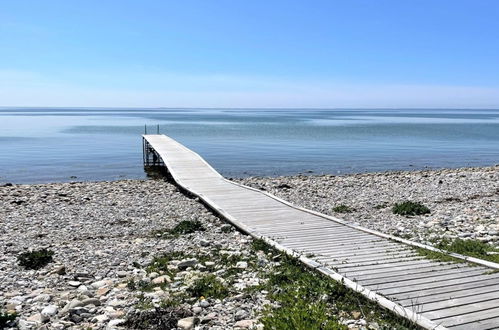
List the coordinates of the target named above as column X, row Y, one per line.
column 40, row 145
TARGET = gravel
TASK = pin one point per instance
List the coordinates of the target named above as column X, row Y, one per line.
column 464, row 202
column 106, row 234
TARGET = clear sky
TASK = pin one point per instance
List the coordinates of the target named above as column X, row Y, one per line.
column 235, row 53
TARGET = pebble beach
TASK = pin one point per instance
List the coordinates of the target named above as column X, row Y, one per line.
column 464, row 203
column 106, row 235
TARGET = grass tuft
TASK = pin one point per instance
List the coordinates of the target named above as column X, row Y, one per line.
column 409, row 208
column 208, row 286
column 306, row 300
column 471, row 248
column 6, row 318
column 182, row 228
column 343, row 209
column 35, row 259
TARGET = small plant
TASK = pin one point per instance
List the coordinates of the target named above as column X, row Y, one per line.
column 208, row 286
column 343, row 209
column 35, row 259
column 409, row 208
column 157, row 318
column 182, row 228
column 302, row 315
column 139, row 285
column 471, row 248
column 6, row 318
column 381, row 206
column 260, row 245
column 186, row 227
column 160, row 263
column 437, row 255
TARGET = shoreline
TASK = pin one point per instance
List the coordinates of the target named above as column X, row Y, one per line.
column 108, row 234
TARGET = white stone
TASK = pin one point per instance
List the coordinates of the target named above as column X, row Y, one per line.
column 49, row 310
column 242, row 265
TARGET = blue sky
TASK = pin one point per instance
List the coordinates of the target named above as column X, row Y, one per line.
column 250, row 53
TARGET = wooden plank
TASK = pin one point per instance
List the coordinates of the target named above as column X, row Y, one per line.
column 317, row 232
column 434, row 274
column 382, row 258
column 418, row 294
column 469, row 292
column 327, row 250
column 414, row 271
column 452, row 284
column 465, row 314
column 482, row 324
column 382, row 270
column 332, row 245
column 374, row 264
column 455, row 302
column 427, row 281
column 331, row 238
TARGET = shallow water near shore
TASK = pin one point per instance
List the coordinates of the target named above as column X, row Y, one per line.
column 64, row 144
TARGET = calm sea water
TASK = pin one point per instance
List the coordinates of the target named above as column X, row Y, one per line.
column 48, row 145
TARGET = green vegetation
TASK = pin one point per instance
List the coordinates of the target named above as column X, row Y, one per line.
column 343, row 209
column 157, row 318
column 182, row 228
column 6, row 318
column 139, row 285
column 227, row 229
column 437, row 255
column 208, row 286
column 160, row 263
column 310, row 300
column 187, row 227
column 381, row 206
column 409, row 208
column 35, row 259
column 471, row 248
column 260, row 245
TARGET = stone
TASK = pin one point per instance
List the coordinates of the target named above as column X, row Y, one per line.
column 74, row 283
column 204, row 242
column 187, row 323
column 356, row 315
column 116, row 314
column 116, row 303
column 99, row 284
column 241, row 314
column 90, row 301
column 116, row 322
column 49, row 311
column 204, row 303
column 103, row 291
column 37, row 318
column 60, row 270
column 72, row 304
column 44, row 297
column 162, row 279
column 242, row 265
column 244, row 324
column 184, row 264
column 101, row 318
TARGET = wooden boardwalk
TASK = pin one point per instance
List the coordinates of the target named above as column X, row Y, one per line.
column 435, row 295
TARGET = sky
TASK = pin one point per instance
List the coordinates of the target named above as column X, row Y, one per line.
column 235, row 53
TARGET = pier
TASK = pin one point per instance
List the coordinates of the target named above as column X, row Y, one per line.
column 384, row 268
